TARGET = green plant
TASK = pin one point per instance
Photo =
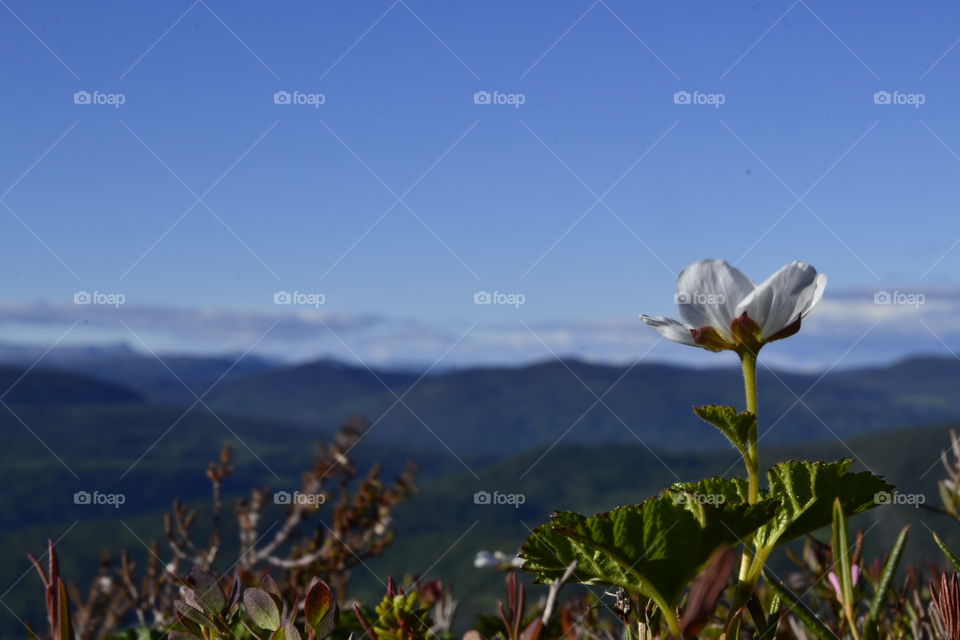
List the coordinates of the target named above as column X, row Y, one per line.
column 208, row 611
column 399, row 616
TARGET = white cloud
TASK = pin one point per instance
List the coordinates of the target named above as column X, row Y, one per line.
column 848, row 329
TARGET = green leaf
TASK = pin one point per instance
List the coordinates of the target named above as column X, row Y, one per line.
column 947, row 551
column 713, row 491
column 736, row 426
column 320, row 609
column 64, row 622
column 807, row 490
column 207, row 591
column 270, row 585
column 261, row 608
column 889, row 570
column 841, row 556
column 804, row 493
column 653, row 549
column 191, row 614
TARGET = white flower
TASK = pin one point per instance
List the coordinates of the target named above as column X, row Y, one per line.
column 723, row 309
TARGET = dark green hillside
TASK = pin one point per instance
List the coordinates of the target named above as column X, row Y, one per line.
column 20, row 386
column 309, row 393
column 124, row 449
column 155, row 381
column 492, row 410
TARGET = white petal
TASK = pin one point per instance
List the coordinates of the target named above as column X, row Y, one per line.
column 670, row 329
column 821, row 285
column 708, row 293
column 485, row 560
column 785, row 297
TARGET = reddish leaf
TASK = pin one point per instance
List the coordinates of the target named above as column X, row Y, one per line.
column 320, row 609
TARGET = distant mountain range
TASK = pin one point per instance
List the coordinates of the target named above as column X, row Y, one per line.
column 498, row 411
column 504, row 410
column 121, row 364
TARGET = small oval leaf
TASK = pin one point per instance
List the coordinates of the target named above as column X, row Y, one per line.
column 270, row 585
column 193, row 615
column 206, row 589
column 261, row 608
column 320, row 609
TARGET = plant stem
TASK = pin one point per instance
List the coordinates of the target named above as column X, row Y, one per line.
column 669, row 614
column 748, row 360
column 672, row 623
column 750, row 568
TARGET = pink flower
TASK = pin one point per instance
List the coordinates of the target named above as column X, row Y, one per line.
column 835, row 581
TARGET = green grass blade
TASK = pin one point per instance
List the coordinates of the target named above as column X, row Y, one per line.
column 841, row 554
column 886, row 578
column 951, row 556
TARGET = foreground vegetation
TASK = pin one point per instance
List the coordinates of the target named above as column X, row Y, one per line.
column 324, row 546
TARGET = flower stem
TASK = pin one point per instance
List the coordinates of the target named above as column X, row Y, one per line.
column 748, row 360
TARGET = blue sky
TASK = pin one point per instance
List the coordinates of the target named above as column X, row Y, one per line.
column 400, row 197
